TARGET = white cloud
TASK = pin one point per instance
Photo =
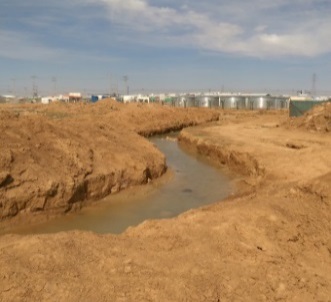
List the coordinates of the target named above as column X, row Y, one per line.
column 251, row 28
column 257, row 28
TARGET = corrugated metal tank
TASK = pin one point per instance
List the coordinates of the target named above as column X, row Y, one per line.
column 191, row 101
column 281, row 103
column 270, row 102
column 203, row 101
column 260, row 102
column 253, row 102
column 214, row 102
column 233, row 102
column 241, row 102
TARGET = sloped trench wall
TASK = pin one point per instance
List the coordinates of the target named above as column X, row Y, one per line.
column 238, row 162
column 51, row 167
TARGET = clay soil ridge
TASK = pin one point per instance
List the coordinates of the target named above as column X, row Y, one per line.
column 271, row 242
column 57, row 158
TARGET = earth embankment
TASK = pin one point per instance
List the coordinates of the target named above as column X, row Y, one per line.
column 56, row 158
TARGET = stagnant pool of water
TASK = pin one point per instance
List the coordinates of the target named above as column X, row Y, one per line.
column 193, row 183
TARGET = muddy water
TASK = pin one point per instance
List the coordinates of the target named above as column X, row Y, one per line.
column 191, row 183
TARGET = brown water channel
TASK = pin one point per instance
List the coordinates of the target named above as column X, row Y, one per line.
column 192, row 183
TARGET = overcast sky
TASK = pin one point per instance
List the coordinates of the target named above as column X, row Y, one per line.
column 165, row 45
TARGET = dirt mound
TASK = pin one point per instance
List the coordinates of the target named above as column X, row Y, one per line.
column 56, row 166
column 317, row 119
column 56, row 158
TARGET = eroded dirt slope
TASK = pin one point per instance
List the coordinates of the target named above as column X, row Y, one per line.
column 55, row 158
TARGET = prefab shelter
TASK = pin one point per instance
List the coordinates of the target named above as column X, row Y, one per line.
column 128, row 98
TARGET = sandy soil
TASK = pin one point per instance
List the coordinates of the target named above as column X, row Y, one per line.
column 271, row 242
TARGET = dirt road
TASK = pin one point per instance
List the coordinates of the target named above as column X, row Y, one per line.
column 271, row 242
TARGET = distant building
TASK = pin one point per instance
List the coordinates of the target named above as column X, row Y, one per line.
column 46, row 100
column 143, row 98
column 129, row 98
column 75, row 97
column 95, row 98
column 8, row 98
column 64, row 97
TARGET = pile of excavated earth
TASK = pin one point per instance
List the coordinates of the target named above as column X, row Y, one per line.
column 269, row 242
column 318, row 119
column 57, row 158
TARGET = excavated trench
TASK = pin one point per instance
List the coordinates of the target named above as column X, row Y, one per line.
column 193, row 183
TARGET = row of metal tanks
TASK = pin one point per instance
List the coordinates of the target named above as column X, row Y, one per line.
column 232, row 102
